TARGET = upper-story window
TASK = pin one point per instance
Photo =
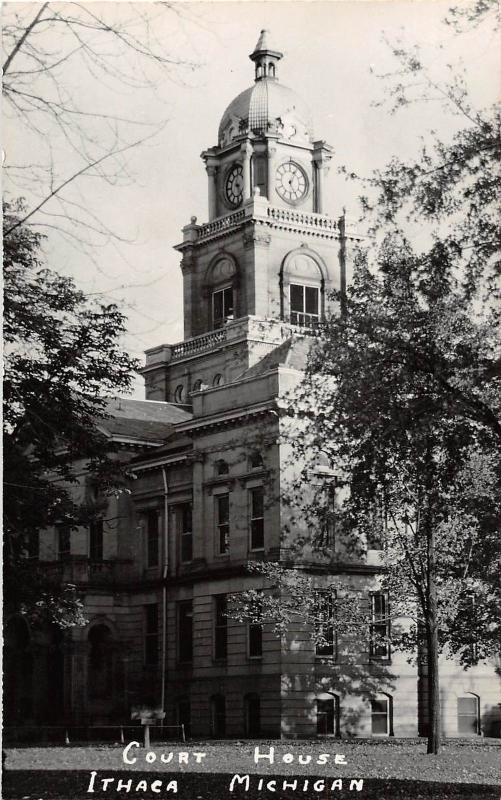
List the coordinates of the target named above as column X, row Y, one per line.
column 152, row 538
column 304, row 305
column 256, row 502
column 185, row 528
column 63, row 541
column 96, row 540
column 303, row 285
column 223, row 523
column 380, row 626
column 223, row 307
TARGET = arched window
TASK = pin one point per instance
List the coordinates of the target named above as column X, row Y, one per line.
column 328, row 715
column 302, row 280
column 218, row 716
column 220, row 281
column 218, row 380
column 179, row 394
column 382, row 715
column 271, row 69
column 197, row 385
column 468, row 710
column 252, row 709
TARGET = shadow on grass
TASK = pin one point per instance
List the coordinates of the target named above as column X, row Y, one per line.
column 66, row 785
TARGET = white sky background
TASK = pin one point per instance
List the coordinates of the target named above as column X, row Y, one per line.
column 332, row 54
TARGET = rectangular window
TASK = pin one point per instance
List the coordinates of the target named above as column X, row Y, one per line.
column 325, row 633
column 220, row 628
column 96, row 540
column 152, row 537
column 151, row 634
column 380, row 626
column 380, row 716
column 63, row 541
column 185, row 631
column 222, row 306
column 468, row 714
column 255, row 640
column 325, row 717
column 256, row 497
column 223, row 523
column 185, row 532
column 304, row 305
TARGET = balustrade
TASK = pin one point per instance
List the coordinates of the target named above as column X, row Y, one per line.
column 199, row 344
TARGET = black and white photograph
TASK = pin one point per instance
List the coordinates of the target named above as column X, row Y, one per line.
column 251, row 400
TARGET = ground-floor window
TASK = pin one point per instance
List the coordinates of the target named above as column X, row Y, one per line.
column 468, row 714
column 328, row 716
column 218, row 716
column 382, row 715
column 252, row 715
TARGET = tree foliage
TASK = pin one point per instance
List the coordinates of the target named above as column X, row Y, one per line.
column 62, row 359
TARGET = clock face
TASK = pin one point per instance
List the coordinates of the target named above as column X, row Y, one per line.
column 235, row 185
column 292, row 183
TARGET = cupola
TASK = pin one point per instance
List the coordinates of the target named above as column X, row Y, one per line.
column 265, row 57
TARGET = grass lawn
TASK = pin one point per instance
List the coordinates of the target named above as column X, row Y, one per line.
column 390, row 769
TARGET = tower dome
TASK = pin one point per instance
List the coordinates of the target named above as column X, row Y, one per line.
column 267, row 107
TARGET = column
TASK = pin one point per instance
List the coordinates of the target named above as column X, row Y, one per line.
column 272, row 165
column 212, row 173
column 246, row 152
column 322, row 154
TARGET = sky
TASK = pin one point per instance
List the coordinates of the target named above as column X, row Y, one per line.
column 334, row 55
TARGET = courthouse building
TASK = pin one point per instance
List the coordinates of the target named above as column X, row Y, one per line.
column 211, row 464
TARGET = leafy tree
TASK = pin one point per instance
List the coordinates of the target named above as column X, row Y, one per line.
column 402, row 393
column 62, row 359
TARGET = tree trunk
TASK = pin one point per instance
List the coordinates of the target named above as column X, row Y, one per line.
column 433, row 684
column 432, row 638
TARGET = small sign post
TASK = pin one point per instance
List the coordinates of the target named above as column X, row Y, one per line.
column 148, row 717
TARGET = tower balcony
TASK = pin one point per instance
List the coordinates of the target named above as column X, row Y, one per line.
column 257, row 209
column 251, row 328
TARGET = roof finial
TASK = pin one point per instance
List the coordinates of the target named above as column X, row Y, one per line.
column 265, row 57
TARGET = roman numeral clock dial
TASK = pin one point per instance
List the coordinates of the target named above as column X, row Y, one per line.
column 291, row 182
column 235, row 186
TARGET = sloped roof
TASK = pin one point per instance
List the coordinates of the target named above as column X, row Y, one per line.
column 293, row 353
column 144, row 420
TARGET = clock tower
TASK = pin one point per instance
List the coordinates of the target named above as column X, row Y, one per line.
column 266, row 145
column 264, row 265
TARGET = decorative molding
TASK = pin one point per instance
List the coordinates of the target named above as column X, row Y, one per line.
column 259, row 475
column 219, row 480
